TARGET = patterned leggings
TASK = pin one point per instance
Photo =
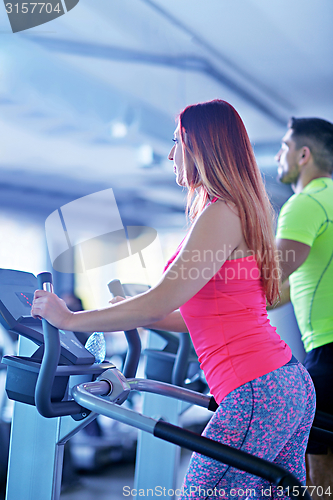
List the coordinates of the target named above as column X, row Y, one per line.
column 269, row 417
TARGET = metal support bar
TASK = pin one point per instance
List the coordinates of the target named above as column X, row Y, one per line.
column 171, row 391
column 173, row 434
column 85, row 398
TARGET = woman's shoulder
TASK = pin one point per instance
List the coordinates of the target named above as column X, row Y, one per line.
column 220, row 208
column 217, row 230
column 217, row 220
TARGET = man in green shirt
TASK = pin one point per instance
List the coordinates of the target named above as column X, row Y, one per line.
column 305, row 243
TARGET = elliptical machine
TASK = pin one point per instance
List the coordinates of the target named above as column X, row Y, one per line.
column 52, row 401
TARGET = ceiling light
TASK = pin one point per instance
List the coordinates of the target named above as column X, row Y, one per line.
column 145, row 155
column 118, row 129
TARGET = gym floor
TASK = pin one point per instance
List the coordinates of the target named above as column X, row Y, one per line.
column 109, row 482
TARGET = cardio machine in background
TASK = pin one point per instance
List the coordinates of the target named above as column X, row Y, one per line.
column 8, row 346
column 58, row 389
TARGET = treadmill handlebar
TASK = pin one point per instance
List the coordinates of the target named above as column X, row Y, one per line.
column 48, row 368
column 132, row 337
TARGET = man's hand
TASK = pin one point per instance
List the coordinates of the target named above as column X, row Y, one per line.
column 284, row 297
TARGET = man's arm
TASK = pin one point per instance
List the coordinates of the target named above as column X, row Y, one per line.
column 292, row 254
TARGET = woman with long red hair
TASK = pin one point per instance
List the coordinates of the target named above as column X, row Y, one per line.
column 216, row 286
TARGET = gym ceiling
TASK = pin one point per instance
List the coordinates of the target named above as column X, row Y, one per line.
column 88, row 101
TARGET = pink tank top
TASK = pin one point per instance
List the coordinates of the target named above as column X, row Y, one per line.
column 230, row 330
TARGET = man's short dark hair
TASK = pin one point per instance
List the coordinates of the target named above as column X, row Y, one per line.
column 317, row 135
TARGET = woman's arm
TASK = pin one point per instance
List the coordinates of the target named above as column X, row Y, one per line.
column 172, row 323
column 214, row 236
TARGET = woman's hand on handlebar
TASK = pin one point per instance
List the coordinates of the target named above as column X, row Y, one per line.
column 49, row 306
column 117, row 299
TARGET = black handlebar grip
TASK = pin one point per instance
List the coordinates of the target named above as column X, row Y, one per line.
column 239, row 459
column 49, row 366
column 116, row 288
column 132, row 337
column 44, row 278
